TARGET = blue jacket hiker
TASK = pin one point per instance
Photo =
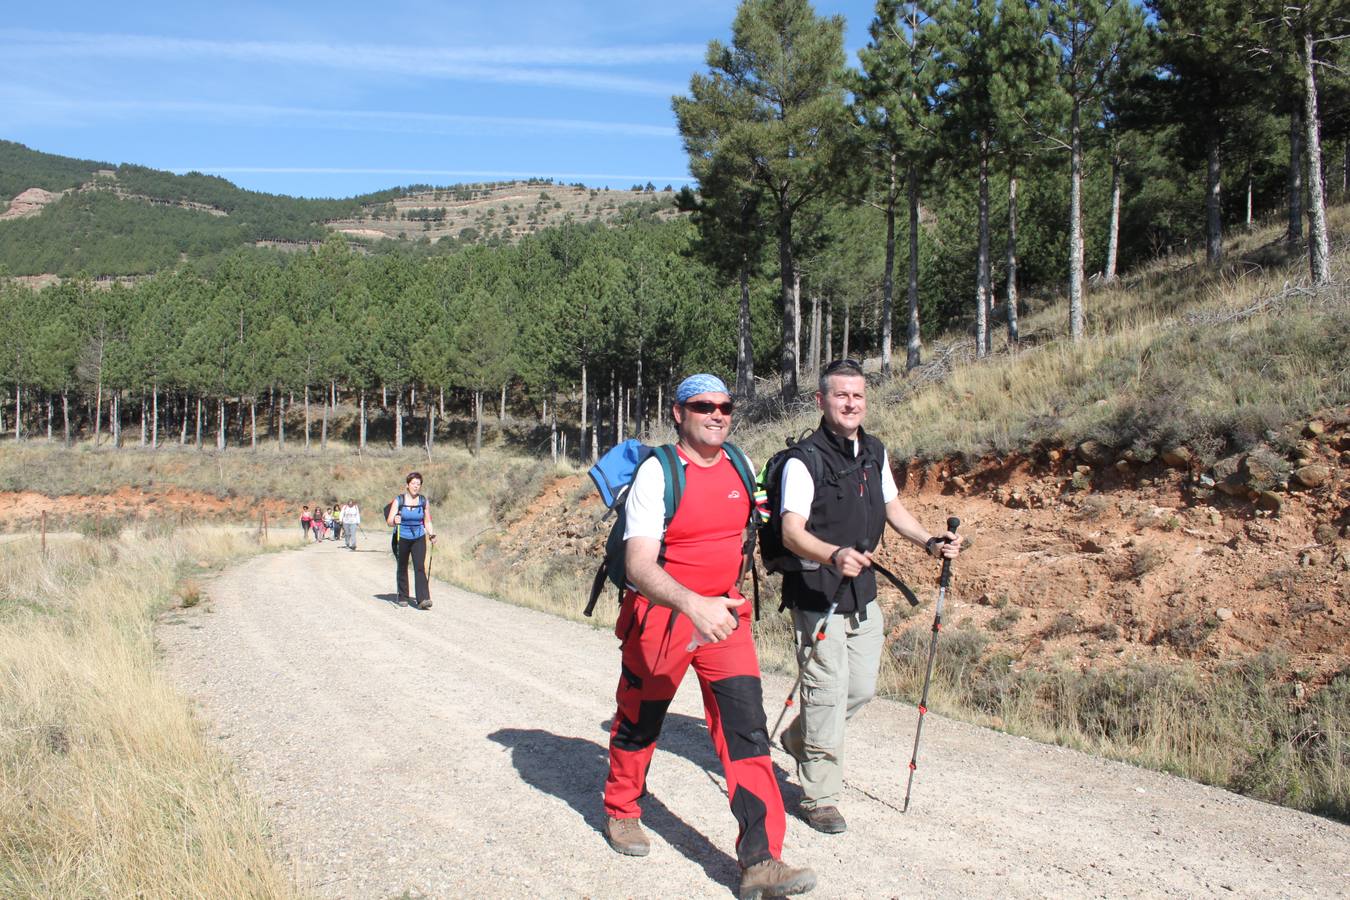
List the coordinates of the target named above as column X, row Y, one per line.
column 411, row 513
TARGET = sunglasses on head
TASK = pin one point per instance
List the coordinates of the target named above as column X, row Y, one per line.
column 842, row 364
column 705, row 407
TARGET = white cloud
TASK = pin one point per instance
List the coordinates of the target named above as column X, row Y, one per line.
column 556, row 66
column 67, row 110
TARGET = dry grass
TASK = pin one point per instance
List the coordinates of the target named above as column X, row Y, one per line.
column 107, row 785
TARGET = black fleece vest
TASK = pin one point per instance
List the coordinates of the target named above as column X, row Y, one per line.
column 847, row 510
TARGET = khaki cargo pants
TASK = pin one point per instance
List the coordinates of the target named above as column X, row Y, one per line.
column 837, row 682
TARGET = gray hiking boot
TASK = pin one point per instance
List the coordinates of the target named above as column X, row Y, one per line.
column 825, row 819
column 627, row 837
column 774, row 878
column 424, row 603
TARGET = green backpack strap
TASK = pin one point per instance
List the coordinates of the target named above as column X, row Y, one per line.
column 673, row 470
column 741, row 463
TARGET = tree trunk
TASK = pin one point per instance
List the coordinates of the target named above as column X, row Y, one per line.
column 1011, row 263
column 1248, row 222
column 431, row 428
column 199, row 423
column 787, row 366
column 220, row 423
column 361, row 429
column 1077, row 318
column 888, row 273
column 1113, row 229
column 1294, row 233
column 253, row 423
column 154, row 417
column 639, row 408
column 441, row 402
column 1213, row 204
column 281, row 421
column 323, row 427
column 829, row 331
column 745, row 357
column 595, row 430
column 115, row 414
column 143, row 410
column 182, row 425
column 51, row 412
column 553, row 430
column 18, row 412
column 982, row 342
column 65, row 416
column 815, row 337
column 1319, row 250
column 848, row 309
column 398, row 420
column 584, row 407
column 306, row 416
column 501, row 417
column 914, row 339
column 478, row 422
column 98, row 405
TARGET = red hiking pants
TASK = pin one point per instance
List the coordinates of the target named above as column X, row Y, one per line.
column 654, row 662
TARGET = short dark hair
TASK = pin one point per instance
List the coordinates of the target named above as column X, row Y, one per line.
column 411, row 476
column 849, row 368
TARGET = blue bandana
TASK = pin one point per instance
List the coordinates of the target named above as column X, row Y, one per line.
column 700, row 384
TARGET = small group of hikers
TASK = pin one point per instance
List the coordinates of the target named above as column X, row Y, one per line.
column 683, row 609
column 337, row 523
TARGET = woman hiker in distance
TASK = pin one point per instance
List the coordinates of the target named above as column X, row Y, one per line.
column 410, row 512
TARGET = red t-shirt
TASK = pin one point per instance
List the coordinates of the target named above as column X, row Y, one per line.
column 703, row 541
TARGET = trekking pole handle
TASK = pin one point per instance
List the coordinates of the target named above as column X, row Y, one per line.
column 953, row 523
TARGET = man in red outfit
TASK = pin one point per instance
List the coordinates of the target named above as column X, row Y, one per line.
column 683, row 608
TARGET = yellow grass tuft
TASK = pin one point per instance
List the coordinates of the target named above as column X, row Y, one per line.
column 107, row 785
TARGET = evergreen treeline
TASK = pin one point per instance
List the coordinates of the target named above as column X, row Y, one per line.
column 595, row 318
column 1006, row 99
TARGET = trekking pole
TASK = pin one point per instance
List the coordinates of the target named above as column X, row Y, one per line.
column 810, row 655
column 953, row 523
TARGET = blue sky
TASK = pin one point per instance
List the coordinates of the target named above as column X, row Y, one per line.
column 337, row 98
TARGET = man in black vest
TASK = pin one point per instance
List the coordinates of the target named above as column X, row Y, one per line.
column 838, row 495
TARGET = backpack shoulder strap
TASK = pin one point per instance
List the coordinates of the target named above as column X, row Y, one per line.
column 741, row 464
column 673, row 470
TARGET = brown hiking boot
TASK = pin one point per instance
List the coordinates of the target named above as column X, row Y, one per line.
column 825, row 819
column 774, row 878
column 627, row 837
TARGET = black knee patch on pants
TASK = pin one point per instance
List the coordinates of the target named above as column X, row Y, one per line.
column 750, row 813
column 740, row 705
column 639, row 735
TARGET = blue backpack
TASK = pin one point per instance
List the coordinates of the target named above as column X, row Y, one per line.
column 613, row 475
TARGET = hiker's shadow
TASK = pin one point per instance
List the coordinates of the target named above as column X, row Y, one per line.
column 573, row 770
column 391, row 599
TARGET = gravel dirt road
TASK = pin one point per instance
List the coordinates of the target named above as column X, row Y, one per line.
column 460, row 752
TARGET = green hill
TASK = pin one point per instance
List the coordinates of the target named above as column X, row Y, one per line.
column 132, row 220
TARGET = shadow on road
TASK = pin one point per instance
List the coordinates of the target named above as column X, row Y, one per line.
column 573, row 770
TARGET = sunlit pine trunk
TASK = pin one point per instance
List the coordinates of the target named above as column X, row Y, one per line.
column 1011, row 263
column 745, row 357
column 220, row 423
column 1319, row 249
column 398, row 420
column 1213, row 204
column 1077, row 315
column 914, row 338
column 982, row 342
column 888, row 272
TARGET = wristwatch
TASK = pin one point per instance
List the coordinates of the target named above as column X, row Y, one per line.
column 931, row 543
column 834, row 554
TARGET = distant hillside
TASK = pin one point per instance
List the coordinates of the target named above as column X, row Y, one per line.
column 101, row 219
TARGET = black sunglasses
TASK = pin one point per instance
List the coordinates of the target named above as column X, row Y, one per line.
column 842, row 364
column 705, row 407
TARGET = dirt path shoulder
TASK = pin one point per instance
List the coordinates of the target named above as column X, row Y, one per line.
column 461, row 752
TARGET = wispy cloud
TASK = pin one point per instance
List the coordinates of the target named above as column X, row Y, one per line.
column 457, row 173
column 344, row 119
column 574, row 67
